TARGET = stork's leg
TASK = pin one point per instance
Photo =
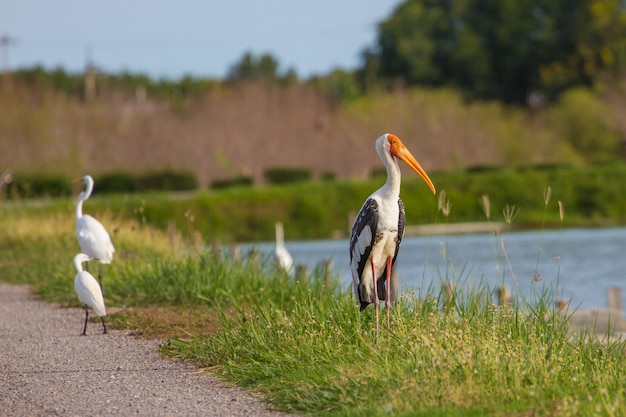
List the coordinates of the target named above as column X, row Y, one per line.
column 103, row 325
column 376, row 301
column 86, row 318
column 388, row 295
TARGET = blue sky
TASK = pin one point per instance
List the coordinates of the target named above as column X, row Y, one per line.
column 200, row 38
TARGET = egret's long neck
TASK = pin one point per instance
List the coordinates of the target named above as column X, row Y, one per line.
column 78, row 264
column 78, row 261
column 84, row 195
column 280, row 238
column 79, row 205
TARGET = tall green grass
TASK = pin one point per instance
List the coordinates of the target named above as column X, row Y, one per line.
column 302, row 342
column 320, row 357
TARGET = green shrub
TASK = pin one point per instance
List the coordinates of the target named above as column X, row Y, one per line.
column 115, row 182
column 241, row 180
column 287, row 175
column 586, row 124
column 38, row 185
column 167, row 180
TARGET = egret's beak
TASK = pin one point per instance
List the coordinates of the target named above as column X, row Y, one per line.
column 401, row 152
column 77, row 180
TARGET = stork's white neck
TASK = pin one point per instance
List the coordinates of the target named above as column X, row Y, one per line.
column 392, row 185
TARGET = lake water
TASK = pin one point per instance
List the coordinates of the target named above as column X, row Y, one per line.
column 580, row 264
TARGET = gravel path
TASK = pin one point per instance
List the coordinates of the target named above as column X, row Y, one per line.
column 47, row 369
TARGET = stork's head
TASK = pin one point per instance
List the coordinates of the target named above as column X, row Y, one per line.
column 398, row 150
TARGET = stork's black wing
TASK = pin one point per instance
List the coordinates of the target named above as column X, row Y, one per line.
column 361, row 242
column 401, row 223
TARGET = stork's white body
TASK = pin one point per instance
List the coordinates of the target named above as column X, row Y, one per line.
column 379, row 228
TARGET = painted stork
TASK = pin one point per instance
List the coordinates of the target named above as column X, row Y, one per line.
column 283, row 257
column 93, row 238
column 379, row 227
column 88, row 291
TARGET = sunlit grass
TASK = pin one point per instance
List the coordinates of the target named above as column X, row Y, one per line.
column 38, row 247
column 320, row 357
column 302, row 342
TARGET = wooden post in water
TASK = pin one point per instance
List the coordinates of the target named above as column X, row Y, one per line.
column 254, row 257
column 614, row 298
column 504, row 296
column 394, row 285
column 327, row 272
column 448, row 296
column 301, row 271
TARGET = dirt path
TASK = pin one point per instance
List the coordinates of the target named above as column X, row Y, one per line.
column 47, row 369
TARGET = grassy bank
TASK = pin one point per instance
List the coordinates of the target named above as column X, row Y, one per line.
column 593, row 195
column 302, row 342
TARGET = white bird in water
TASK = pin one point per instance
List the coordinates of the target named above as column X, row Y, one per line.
column 283, row 257
column 88, row 291
column 379, row 227
column 93, row 238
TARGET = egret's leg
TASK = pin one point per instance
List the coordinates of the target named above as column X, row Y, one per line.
column 100, row 279
column 86, row 318
column 103, row 325
column 388, row 295
column 376, row 301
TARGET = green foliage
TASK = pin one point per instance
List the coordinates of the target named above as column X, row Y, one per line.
column 53, row 185
column 339, row 85
column 500, row 49
column 594, row 195
column 287, row 175
column 37, row 186
column 241, row 180
column 264, row 67
column 167, row 180
column 585, row 123
column 131, row 84
column 115, row 182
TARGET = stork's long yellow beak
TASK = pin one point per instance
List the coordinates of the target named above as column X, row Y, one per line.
column 405, row 155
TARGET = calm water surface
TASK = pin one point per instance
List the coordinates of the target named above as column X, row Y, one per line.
column 579, row 264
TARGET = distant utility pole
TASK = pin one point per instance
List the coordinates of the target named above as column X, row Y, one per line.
column 90, row 75
column 6, row 41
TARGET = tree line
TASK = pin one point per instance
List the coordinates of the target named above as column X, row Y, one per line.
column 499, row 49
column 515, row 51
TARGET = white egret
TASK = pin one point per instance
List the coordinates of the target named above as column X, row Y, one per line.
column 88, row 291
column 93, row 238
column 283, row 257
column 379, row 228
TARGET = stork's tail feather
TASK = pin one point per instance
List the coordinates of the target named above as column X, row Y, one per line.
column 382, row 294
column 382, row 288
